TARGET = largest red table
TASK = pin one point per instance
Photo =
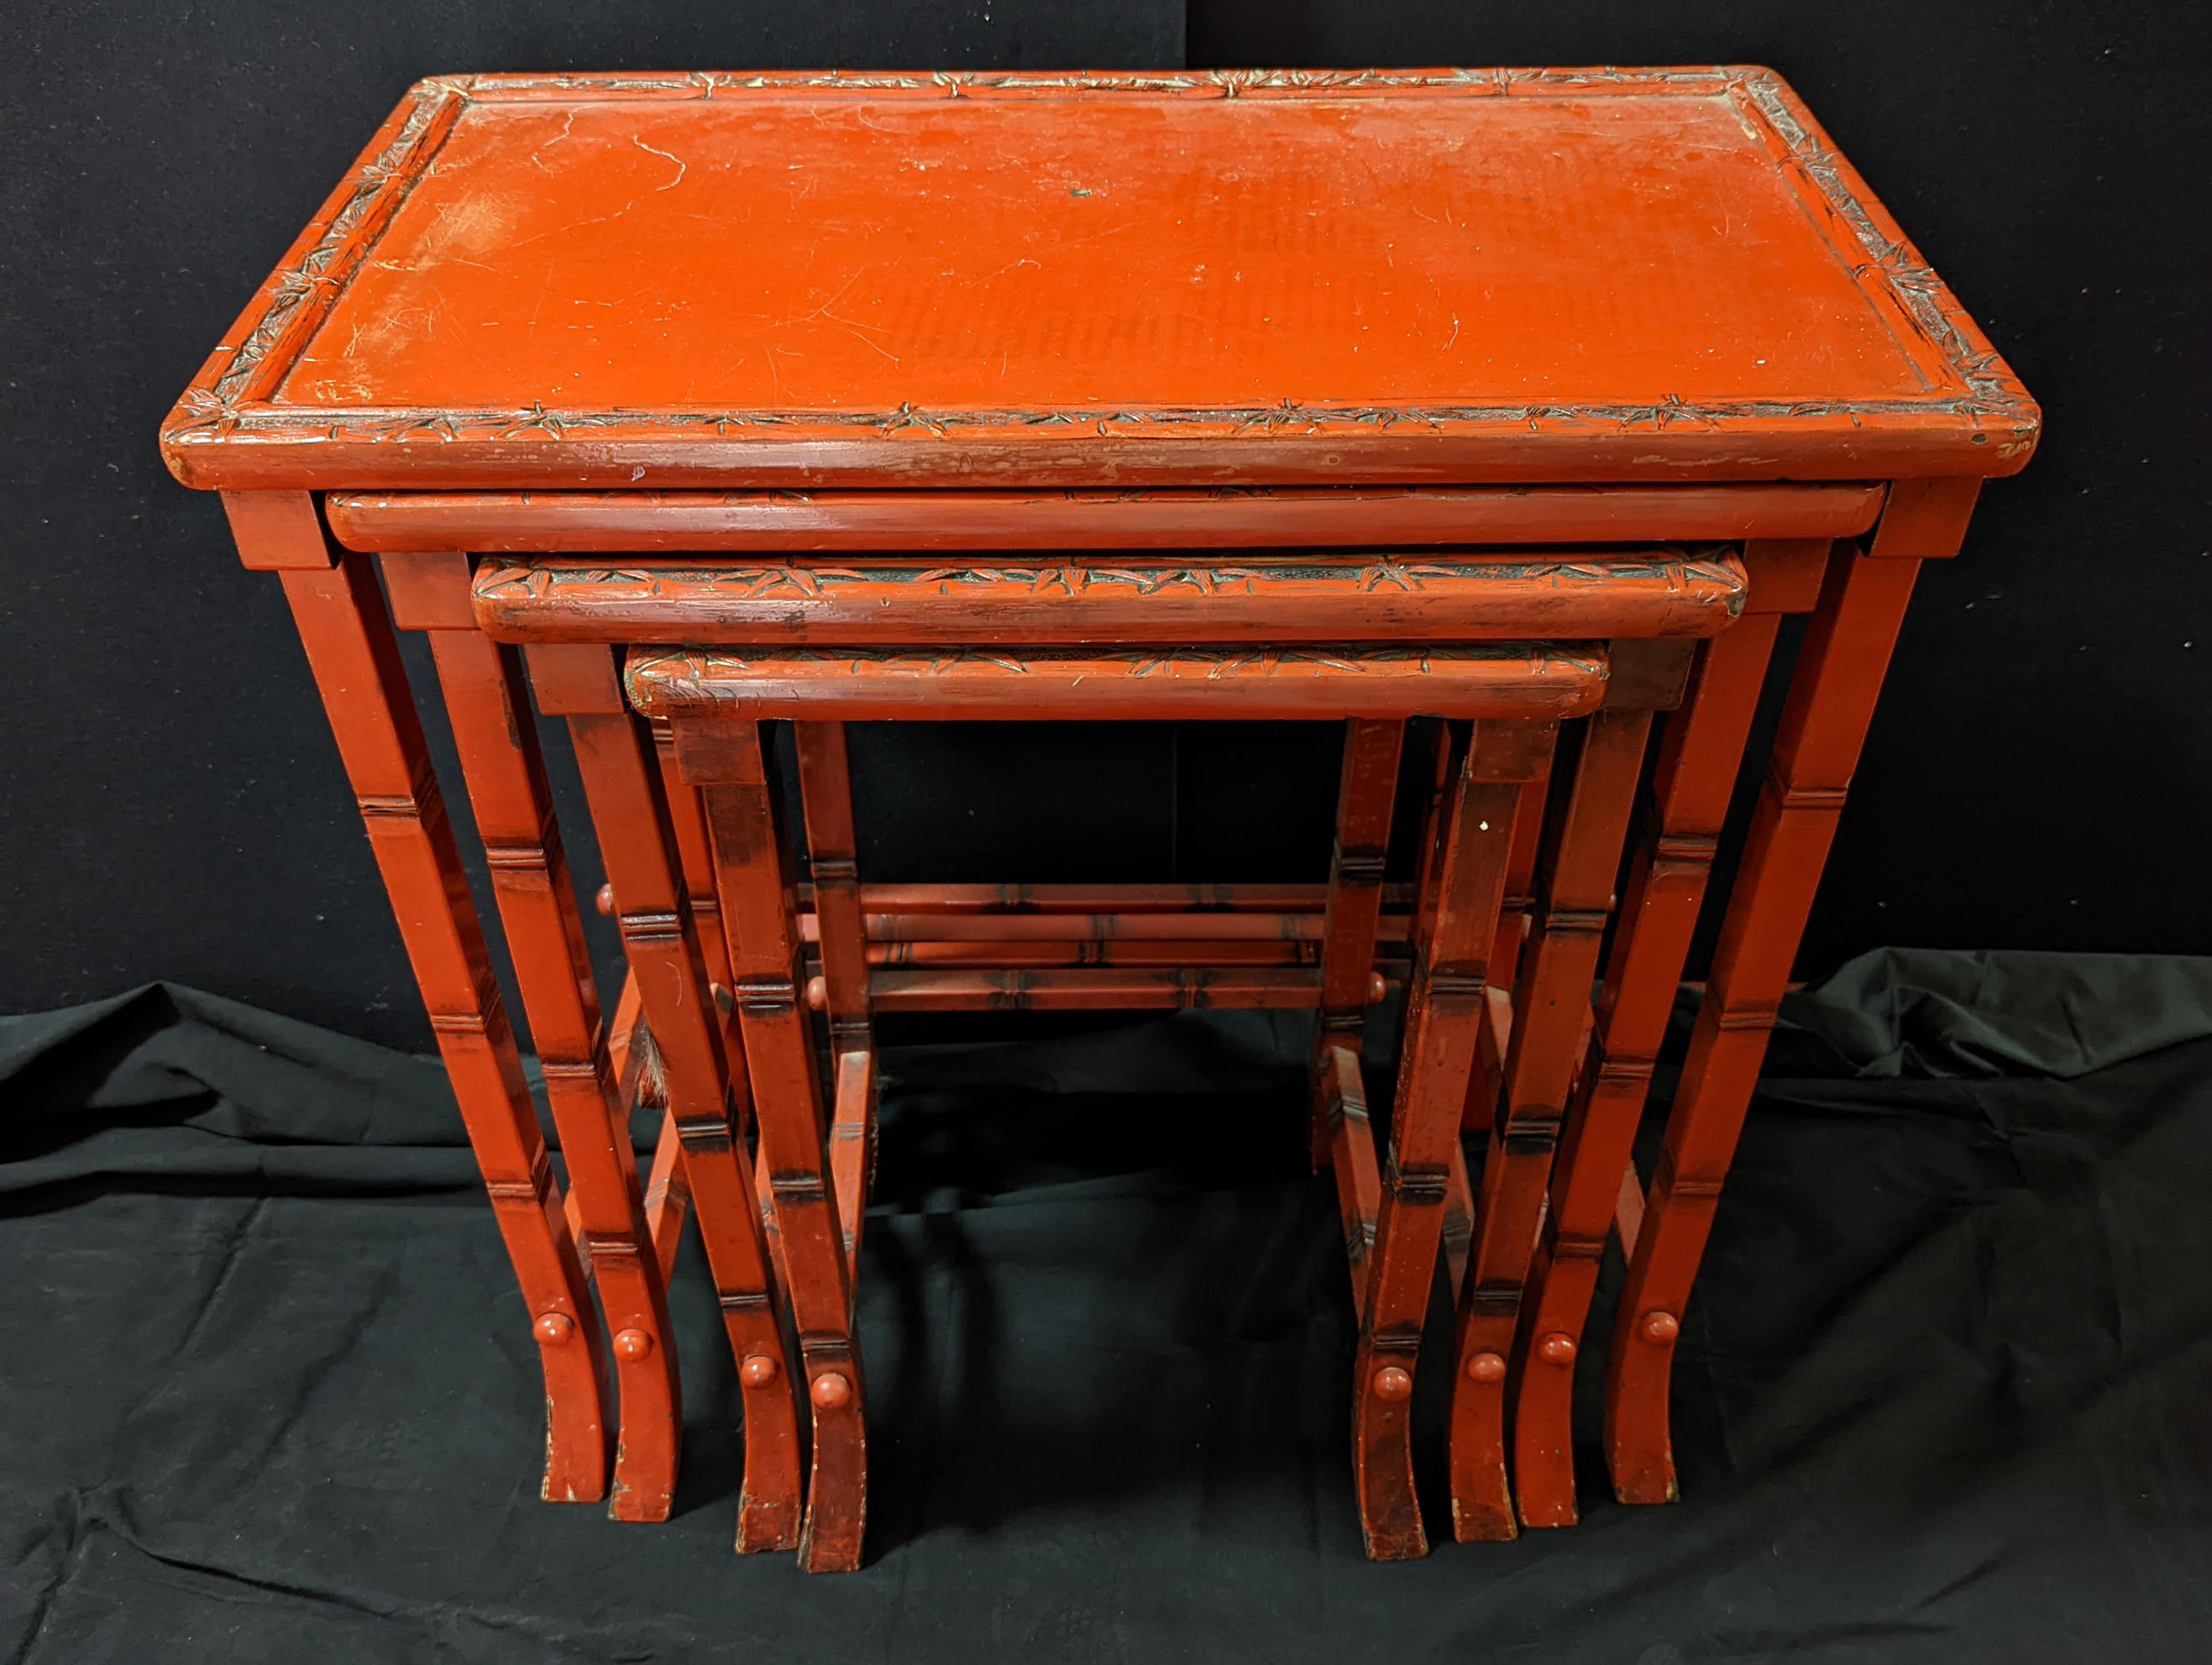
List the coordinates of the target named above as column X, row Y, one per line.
column 800, row 314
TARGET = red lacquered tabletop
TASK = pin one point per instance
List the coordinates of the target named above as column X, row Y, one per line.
column 1193, row 278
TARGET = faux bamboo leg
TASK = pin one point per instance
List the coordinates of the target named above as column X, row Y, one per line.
column 1700, row 756
column 697, row 863
column 1443, row 1013
column 1366, row 792
column 1824, row 724
column 787, row 1106
column 514, row 808
column 1513, row 918
column 1505, row 957
column 825, row 788
column 355, row 656
column 1448, row 750
column 636, row 841
column 639, row 1082
column 1581, row 862
column 695, row 856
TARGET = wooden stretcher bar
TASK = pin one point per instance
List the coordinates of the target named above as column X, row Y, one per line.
column 1112, row 899
column 1071, row 951
column 1113, row 988
column 1302, row 927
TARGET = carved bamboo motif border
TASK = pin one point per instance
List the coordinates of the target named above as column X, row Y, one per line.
column 228, row 400
column 545, row 581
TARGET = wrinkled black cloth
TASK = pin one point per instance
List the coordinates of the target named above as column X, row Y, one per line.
column 1945, row 1392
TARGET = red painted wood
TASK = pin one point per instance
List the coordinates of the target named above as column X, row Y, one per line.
column 637, row 842
column 497, row 744
column 695, row 858
column 1785, row 572
column 832, row 847
column 1367, row 788
column 787, row 1109
column 1513, row 919
column 1488, row 680
column 1628, row 1211
column 1445, row 744
column 1924, row 519
column 1699, row 755
column 1580, row 862
column 627, row 523
column 1068, row 280
column 1245, row 925
column 350, row 647
column 1444, row 1011
column 1351, row 1152
column 1108, row 989
column 641, row 1083
column 833, row 856
column 277, row 532
column 1107, row 899
column 1832, row 699
column 1459, row 1221
column 1212, row 952
column 851, row 1145
column 1324, row 596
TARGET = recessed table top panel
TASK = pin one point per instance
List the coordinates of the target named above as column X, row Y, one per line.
column 1057, row 280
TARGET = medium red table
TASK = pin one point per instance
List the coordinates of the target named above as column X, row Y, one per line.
column 828, row 325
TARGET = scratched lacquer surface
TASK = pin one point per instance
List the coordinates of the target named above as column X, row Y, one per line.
column 897, row 280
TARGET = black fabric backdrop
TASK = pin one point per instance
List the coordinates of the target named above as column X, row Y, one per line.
column 179, row 814
column 269, row 1392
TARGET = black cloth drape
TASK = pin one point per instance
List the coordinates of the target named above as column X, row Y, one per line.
column 1945, row 1392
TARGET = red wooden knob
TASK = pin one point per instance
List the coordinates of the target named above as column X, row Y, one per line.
column 1391, row 1383
column 605, row 900
column 757, row 1371
column 630, row 1346
column 1660, row 1327
column 554, row 1327
column 1486, row 1367
column 1377, row 987
column 831, row 1391
column 1557, row 1348
column 817, row 994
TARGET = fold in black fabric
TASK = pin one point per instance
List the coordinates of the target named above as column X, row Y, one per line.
column 268, row 1394
column 1937, row 1013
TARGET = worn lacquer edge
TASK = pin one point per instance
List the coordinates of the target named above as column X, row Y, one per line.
column 227, row 404
column 1715, row 574
column 672, row 681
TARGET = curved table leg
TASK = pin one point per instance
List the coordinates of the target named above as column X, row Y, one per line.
column 1700, row 756
column 1581, row 862
column 613, row 755
column 1831, row 700
column 726, row 760
column 506, row 778
column 1444, row 1011
column 355, row 656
